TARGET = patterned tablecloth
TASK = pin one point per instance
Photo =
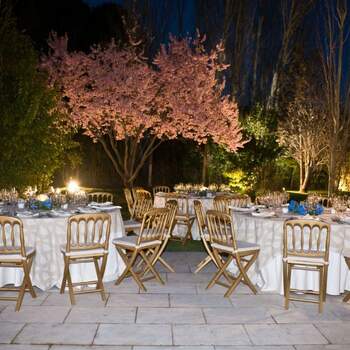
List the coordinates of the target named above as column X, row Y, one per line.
column 267, row 271
column 46, row 235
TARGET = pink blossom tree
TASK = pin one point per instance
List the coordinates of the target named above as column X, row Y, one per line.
column 130, row 108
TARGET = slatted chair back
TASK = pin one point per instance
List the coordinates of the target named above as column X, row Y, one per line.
column 173, row 207
column 140, row 207
column 200, row 215
column 306, row 238
column 12, row 236
column 222, row 203
column 220, row 228
column 142, row 193
column 100, row 197
column 88, row 231
column 163, row 189
column 154, row 225
column 129, row 200
column 182, row 202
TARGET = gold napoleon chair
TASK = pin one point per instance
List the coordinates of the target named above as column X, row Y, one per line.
column 130, row 248
column 100, row 197
column 222, row 203
column 139, row 192
column 347, row 260
column 226, row 249
column 87, row 241
column 305, row 247
column 183, row 217
column 14, row 254
column 129, row 200
column 163, row 189
column 204, row 234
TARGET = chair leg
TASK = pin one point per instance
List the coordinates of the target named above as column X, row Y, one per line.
column 346, row 297
column 321, row 291
column 325, row 280
column 203, row 263
column 99, row 284
column 70, row 284
column 165, row 264
column 64, row 278
column 29, row 281
column 151, row 268
column 221, row 269
column 285, row 272
column 288, row 280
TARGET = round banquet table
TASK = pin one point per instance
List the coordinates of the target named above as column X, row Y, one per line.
column 180, row 230
column 46, row 235
column 267, row 272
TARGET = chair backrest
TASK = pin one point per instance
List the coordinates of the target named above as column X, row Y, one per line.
column 154, row 225
column 88, row 231
column 306, row 238
column 182, row 202
column 141, row 193
column 11, row 236
column 164, row 189
column 200, row 215
column 140, row 207
column 100, row 197
column 173, row 207
column 220, row 228
column 129, row 200
column 222, row 202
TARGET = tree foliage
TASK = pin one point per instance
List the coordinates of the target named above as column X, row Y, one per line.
column 32, row 133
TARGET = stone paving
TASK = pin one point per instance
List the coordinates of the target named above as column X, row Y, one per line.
column 181, row 315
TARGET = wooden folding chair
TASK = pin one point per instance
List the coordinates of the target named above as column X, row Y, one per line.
column 130, row 248
column 129, row 200
column 222, row 203
column 226, row 250
column 14, row 254
column 204, row 234
column 183, row 217
column 163, row 189
column 347, row 260
column 87, row 241
column 140, row 192
column 100, row 197
column 305, row 247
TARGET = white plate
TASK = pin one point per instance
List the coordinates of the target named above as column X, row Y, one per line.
column 267, row 214
column 110, row 207
column 100, row 205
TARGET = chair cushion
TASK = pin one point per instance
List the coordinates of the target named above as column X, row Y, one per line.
column 302, row 260
column 241, row 247
column 83, row 252
column 131, row 224
column 15, row 256
column 130, row 241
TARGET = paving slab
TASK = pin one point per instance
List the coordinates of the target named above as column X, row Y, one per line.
column 186, row 300
column 336, row 333
column 210, row 335
column 40, row 333
column 322, row 347
column 170, row 315
column 284, row 334
column 142, row 300
column 23, row 347
column 89, row 300
column 91, row 347
column 35, row 314
column 8, row 331
column 101, row 315
column 252, row 347
column 136, row 334
column 188, row 347
column 190, row 277
column 237, row 316
column 170, row 288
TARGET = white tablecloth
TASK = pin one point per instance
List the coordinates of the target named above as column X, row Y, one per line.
column 267, row 272
column 180, row 230
column 46, row 235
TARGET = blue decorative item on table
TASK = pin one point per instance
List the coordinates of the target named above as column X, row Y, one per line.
column 302, row 209
column 41, row 202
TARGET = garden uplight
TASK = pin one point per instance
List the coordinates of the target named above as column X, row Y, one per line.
column 73, row 186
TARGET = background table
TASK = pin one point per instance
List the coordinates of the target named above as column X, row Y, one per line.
column 267, row 272
column 46, row 235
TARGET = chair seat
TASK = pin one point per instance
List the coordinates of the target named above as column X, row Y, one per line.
column 302, row 260
column 131, row 224
column 15, row 256
column 131, row 241
column 241, row 247
column 83, row 252
column 184, row 217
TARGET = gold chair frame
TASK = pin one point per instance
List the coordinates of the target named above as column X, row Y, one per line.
column 347, row 293
column 17, row 256
column 100, row 197
column 153, row 230
column 183, row 216
column 225, row 246
column 202, row 227
column 306, row 250
column 88, row 246
column 140, row 192
column 163, row 189
column 129, row 200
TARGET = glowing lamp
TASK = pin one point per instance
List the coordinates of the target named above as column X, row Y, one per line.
column 73, row 186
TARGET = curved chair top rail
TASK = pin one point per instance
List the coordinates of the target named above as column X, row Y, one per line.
column 100, row 196
column 11, row 236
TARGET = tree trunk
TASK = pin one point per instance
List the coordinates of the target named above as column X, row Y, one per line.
column 331, row 172
column 305, row 183
column 256, row 59
column 301, row 175
column 205, row 164
column 150, row 170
